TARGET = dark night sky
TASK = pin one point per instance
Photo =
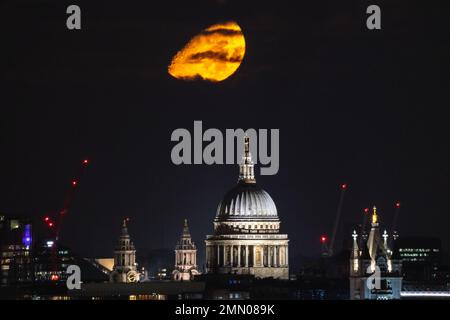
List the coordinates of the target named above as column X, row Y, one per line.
column 366, row 108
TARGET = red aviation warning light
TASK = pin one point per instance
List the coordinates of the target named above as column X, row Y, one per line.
column 48, row 221
column 86, row 162
column 344, row 186
column 325, row 250
column 74, row 183
column 364, row 223
column 54, row 277
column 397, row 204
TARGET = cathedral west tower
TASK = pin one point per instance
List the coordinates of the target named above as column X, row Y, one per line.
column 185, row 256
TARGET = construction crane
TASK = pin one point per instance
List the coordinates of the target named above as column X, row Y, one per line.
column 343, row 188
column 394, row 231
column 324, row 242
column 55, row 225
column 363, row 231
column 364, row 225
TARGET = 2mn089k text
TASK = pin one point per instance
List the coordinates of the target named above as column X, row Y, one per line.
column 224, row 309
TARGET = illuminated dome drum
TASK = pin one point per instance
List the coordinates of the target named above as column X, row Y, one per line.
column 246, row 236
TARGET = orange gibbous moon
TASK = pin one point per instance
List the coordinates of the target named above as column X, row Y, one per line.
column 214, row 54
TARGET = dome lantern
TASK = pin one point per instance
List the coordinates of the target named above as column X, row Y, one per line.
column 246, row 168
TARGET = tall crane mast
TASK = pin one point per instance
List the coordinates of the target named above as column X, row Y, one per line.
column 344, row 187
column 56, row 224
column 394, row 231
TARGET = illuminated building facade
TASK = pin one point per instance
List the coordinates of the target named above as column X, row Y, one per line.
column 51, row 260
column 125, row 267
column 15, row 251
column 374, row 273
column 185, row 256
column 421, row 257
column 247, row 237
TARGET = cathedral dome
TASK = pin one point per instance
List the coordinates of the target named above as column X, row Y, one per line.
column 247, row 238
column 246, row 201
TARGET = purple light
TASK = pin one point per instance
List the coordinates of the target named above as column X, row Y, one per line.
column 26, row 240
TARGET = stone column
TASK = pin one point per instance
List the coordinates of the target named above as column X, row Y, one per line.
column 224, row 255
column 254, row 256
column 239, row 256
column 272, row 262
column 287, row 255
column 265, row 251
column 270, row 257
column 246, row 256
column 277, row 256
column 274, row 256
column 282, row 250
column 231, row 255
column 218, row 255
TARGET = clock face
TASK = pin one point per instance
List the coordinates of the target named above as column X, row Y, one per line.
column 132, row 276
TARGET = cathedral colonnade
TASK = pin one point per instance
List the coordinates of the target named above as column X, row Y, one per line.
column 247, row 255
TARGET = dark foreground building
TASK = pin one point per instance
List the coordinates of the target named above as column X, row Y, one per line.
column 151, row 290
column 16, row 268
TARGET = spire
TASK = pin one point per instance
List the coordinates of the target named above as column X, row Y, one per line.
column 246, row 171
column 374, row 242
column 186, row 233
column 355, row 249
column 385, row 238
column 185, row 242
column 374, row 216
column 124, row 227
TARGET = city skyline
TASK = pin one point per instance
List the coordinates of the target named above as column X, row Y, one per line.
column 351, row 106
